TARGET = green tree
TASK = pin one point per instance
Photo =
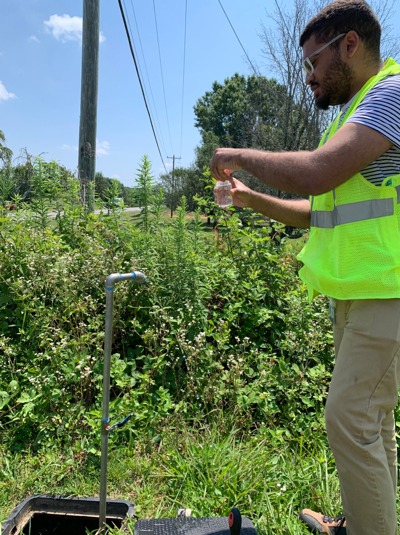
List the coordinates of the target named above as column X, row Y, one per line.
column 130, row 196
column 5, row 152
column 102, row 184
column 242, row 112
column 204, row 152
column 183, row 181
column 249, row 112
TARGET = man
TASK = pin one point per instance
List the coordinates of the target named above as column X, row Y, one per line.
column 353, row 252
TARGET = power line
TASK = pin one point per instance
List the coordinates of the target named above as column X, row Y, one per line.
column 284, row 21
column 162, row 75
column 148, row 80
column 237, row 37
column 183, row 75
column 255, row 72
column 137, row 55
column 140, row 81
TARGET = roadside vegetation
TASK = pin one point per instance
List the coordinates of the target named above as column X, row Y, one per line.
column 220, row 358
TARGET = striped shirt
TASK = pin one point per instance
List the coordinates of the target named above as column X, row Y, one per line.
column 380, row 110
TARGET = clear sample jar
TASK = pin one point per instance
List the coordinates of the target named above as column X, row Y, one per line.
column 222, row 194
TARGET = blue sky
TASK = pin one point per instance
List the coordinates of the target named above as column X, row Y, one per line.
column 40, row 71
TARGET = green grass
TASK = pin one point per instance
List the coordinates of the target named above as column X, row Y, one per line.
column 205, row 469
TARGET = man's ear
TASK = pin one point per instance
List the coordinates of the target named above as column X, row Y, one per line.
column 352, row 42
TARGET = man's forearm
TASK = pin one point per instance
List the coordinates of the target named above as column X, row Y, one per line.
column 314, row 172
column 286, row 171
column 290, row 212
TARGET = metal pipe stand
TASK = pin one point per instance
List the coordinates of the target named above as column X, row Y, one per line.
column 111, row 280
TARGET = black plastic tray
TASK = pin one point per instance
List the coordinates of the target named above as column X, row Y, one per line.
column 191, row 526
column 63, row 516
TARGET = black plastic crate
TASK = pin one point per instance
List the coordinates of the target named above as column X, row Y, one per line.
column 57, row 515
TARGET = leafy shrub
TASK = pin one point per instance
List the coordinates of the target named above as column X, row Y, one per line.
column 223, row 323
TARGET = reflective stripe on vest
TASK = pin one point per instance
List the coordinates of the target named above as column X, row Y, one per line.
column 353, row 212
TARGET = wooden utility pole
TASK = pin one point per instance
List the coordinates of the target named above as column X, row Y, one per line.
column 173, row 158
column 89, row 91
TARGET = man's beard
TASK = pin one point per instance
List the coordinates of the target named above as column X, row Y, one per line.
column 336, row 87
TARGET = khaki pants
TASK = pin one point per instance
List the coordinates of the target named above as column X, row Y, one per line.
column 359, row 412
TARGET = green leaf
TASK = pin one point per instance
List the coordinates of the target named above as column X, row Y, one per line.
column 4, row 399
column 24, row 398
column 307, row 402
column 296, row 368
column 13, row 386
column 28, row 408
column 282, row 366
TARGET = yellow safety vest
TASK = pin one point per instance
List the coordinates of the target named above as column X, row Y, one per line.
column 353, row 250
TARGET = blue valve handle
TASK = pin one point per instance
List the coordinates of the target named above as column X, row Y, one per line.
column 124, row 421
column 120, row 424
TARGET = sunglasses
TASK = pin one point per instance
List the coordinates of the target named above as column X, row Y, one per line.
column 308, row 67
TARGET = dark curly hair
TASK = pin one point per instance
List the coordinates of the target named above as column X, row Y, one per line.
column 342, row 16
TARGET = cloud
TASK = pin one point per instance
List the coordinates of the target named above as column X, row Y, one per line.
column 65, row 28
column 4, row 94
column 102, row 148
column 116, row 176
column 33, row 38
column 68, row 147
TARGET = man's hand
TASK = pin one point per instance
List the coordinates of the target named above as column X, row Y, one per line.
column 224, row 159
column 241, row 194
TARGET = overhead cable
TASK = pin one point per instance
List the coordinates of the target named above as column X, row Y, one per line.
column 137, row 56
column 237, row 37
column 183, row 75
column 148, row 80
column 162, row 75
column 140, row 81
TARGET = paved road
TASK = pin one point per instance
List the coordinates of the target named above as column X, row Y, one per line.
column 131, row 209
column 104, row 210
